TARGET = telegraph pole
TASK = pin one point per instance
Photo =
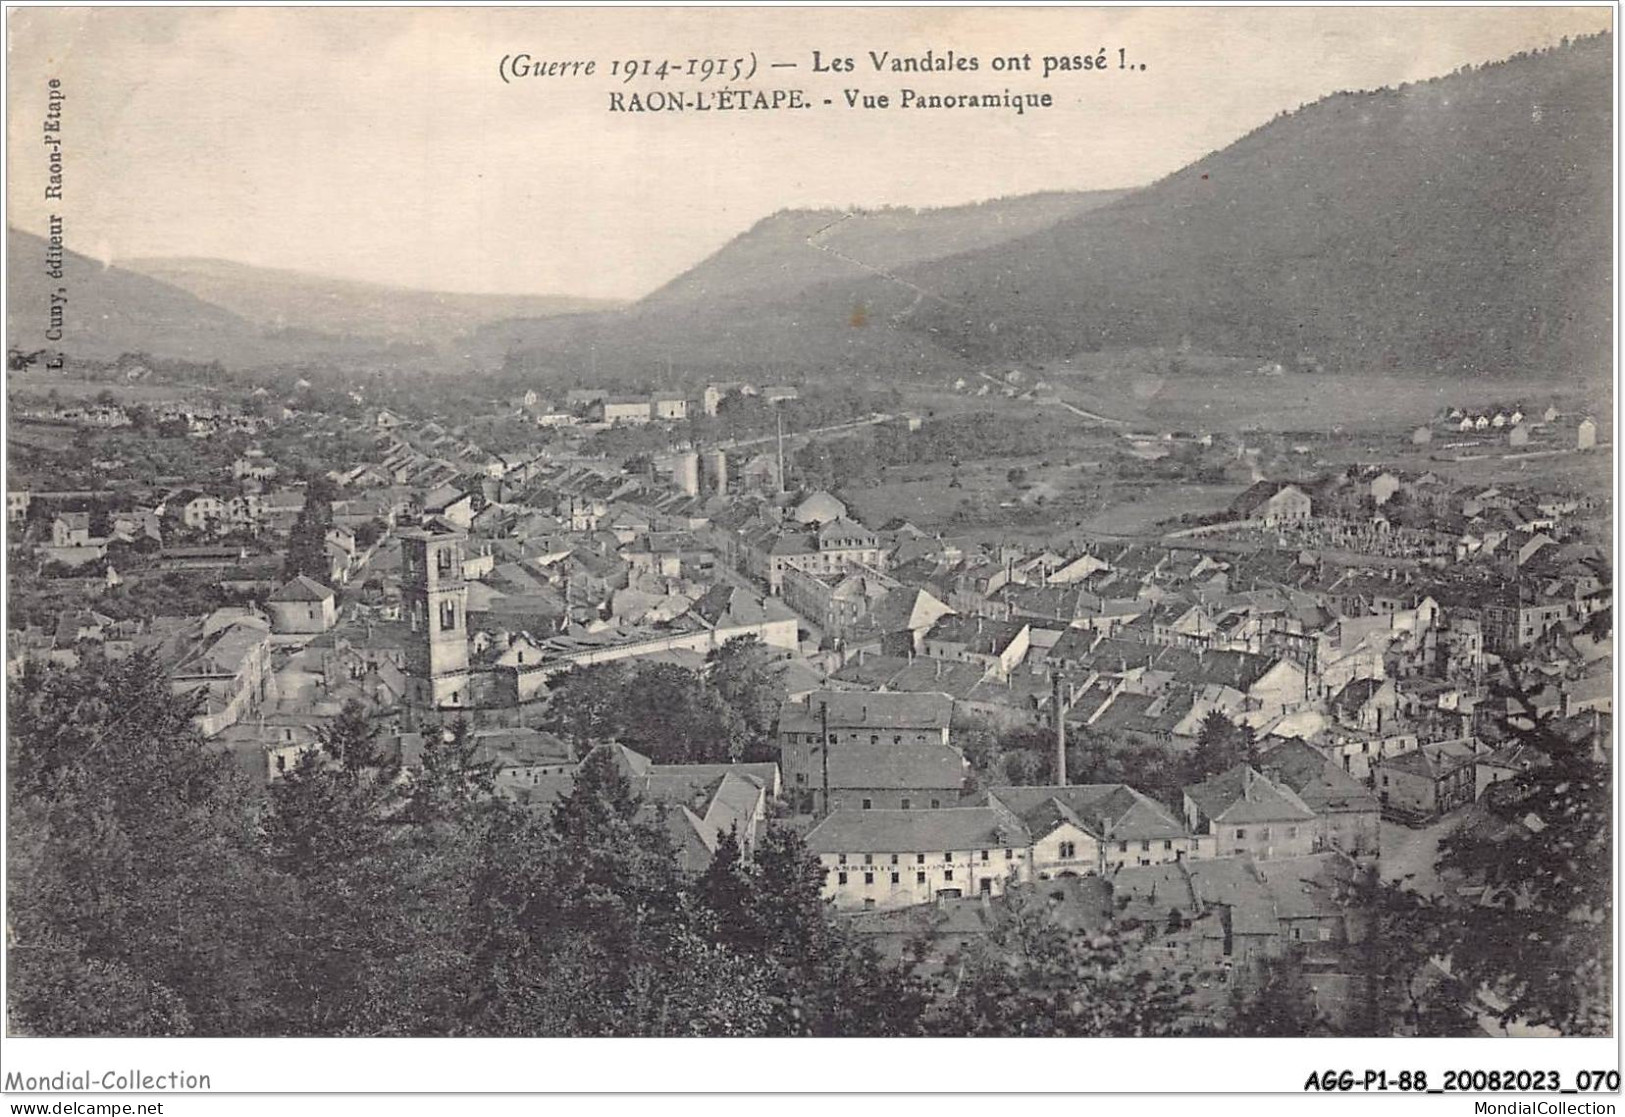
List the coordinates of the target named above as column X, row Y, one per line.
column 1060, row 729
column 823, row 718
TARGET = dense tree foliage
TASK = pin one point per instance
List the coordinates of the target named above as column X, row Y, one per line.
column 1541, row 939
column 1400, row 988
column 671, row 714
column 742, row 673
column 859, row 458
column 1221, row 745
column 40, row 601
column 152, row 892
column 818, row 978
column 1037, row 976
column 1279, row 1003
column 136, row 901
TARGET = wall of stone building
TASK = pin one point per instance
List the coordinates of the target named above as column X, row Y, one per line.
column 921, row 877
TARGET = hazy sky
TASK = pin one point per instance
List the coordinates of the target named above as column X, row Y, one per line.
column 381, row 144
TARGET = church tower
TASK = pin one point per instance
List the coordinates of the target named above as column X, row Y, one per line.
column 436, row 601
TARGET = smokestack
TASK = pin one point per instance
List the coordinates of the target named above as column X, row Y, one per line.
column 781, row 451
column 1060, row 731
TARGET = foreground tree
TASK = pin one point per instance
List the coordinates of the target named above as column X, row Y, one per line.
column 820, row 978
column 584, row 926
column 1541, row 941
column 1279, row 1003
column 136, row 901
column 1034, row 977
column 451, row 782
column 1401, row 989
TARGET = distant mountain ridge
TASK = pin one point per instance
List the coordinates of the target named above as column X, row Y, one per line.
column 800, row 291
column 111, row 310
column 279, row 298
column 1457, row 225
column 801, row 248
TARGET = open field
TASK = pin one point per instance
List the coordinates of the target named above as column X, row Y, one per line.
column 1300, row 401
column 74, row 388
column 39, row 436
column 1135, row 511
column 1047, row 496
column 937, row 401
column 1075, row 499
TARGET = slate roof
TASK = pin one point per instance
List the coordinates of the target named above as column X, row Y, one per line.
column 1430, row 761
column 699, row 802
column 899, row 610
column 820, row 506
column 1257, row 495
column 1109, row 811
column 899, row 767
column 1321, row 784
column 1232, row 882
column 793, row 543
column 947, row 830
column 862, row 710
column 1147, row 893
column 1237, row 669
column 521, row 747
column 724, row 605
column 1353, row 697
column 630, row 764
column 1126, row 712
column 1242, row 794
column 302, row 588
column 1260, row 895
column 978, row 634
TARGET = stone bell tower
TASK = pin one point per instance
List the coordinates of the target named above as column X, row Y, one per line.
column 436, row 602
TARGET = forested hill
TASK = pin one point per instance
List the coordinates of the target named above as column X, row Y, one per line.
column 794, row 250
column 1460, row 224
column 800, row 290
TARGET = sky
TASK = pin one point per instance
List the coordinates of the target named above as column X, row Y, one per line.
column 383, row 145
